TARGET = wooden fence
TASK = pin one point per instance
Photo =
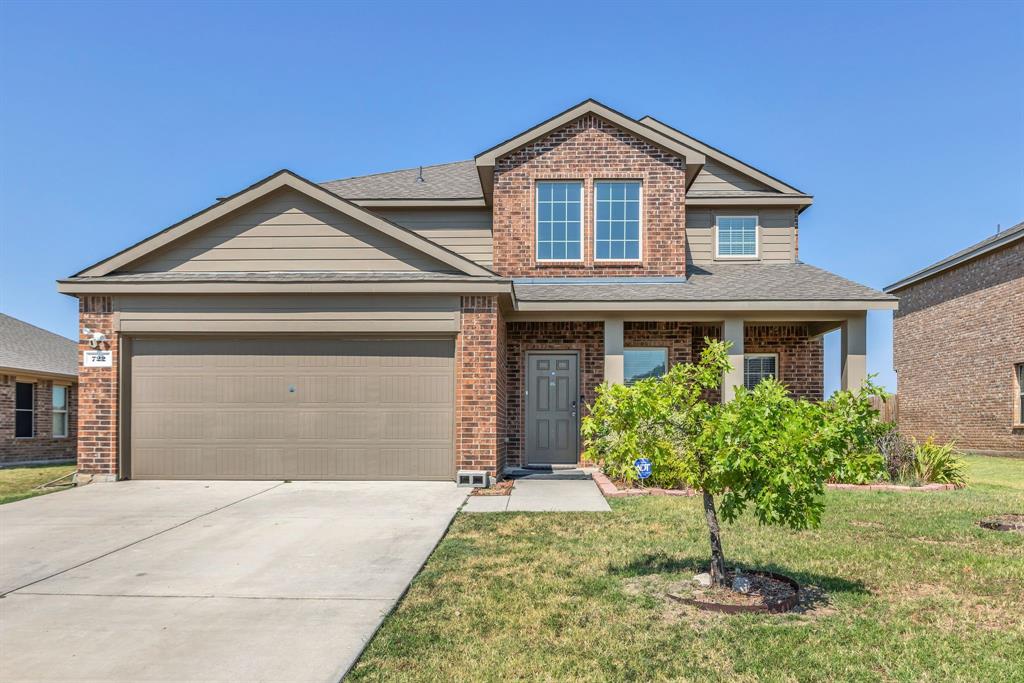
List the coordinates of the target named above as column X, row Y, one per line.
column 888, row 410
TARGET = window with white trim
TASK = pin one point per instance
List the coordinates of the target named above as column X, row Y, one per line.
column 559, row 221
column 643, row 363
column 1020, row 394
column 736, row 236
column 617, row 220
column 758, row 366
column 60, row 411
column 24, row 410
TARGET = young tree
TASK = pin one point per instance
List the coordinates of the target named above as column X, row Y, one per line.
column 763, row 449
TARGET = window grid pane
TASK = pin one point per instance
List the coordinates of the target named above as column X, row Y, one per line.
column 641, row 364
column 617, row 223
column 756, row 368
column 737, row 236
column 559, row 219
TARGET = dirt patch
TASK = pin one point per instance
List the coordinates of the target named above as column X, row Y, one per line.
column 502, row 488
column 1008, row 522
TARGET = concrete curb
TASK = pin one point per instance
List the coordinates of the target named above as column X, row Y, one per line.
column 610, row 490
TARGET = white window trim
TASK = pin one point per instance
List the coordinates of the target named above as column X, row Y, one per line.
column 760, row 355
column 31, row 410
column 757, row 240
column 1018, row 396
column 640, row 221
column 62, row 412
column 643, row 348
column 536, row 220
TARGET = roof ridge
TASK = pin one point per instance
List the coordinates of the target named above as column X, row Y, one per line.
column 397, row 170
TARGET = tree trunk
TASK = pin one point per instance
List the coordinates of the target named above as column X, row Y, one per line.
column 717, row 556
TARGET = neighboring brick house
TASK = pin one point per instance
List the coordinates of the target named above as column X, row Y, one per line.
column 958, row 343
column 412, row 324
column 38, row 394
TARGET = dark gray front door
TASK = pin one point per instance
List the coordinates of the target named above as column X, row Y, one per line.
column 552, row 425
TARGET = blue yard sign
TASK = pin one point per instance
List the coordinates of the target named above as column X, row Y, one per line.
column 643, row 467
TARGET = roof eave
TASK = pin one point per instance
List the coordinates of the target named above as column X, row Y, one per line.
column 752, row 306
column 950, row 263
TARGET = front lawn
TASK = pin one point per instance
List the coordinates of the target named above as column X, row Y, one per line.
column 17, row 483
column 908, row 586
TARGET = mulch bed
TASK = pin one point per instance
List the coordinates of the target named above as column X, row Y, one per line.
column 1009, row 522
column 769, row 592
column 502, row 488
column 611, row 489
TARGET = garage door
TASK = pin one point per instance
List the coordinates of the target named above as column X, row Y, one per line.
column 292, row 409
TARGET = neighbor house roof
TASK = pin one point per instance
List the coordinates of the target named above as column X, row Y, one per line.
column 718, row 283
column 31, row 349
column 997, row 241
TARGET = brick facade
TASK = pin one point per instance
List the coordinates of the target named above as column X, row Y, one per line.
column 98, row 393
column 43, row 446
column 590, row 149
column 956, row 338
column 479, row 386
column 801, row 363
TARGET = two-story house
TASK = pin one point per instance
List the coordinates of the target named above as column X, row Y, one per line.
column 412, row 324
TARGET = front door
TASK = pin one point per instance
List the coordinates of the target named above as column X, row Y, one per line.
column 552, row 425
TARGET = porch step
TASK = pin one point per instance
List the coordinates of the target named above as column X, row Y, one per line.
column 546, row 472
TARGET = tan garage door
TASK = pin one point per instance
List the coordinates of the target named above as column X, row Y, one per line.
column 292, row 409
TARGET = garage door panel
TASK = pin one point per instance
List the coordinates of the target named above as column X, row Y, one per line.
column 292, row 409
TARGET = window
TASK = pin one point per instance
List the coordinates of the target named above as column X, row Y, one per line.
column 559, row 221
column 640, row 364
column 60, row 411
column 24, row 413
column 737, row 236
column 617, row 222
column 1020, row 393
column 757, row 366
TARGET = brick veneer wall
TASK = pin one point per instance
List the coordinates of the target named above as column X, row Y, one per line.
column 98, row 393
column 480, row 388
column 43, row 446
column 590, row 149
column 801, row 357
column 956, row 338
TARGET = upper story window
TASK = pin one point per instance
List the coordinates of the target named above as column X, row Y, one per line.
column 737, row 237
column 617, row 221
column 559, row 221
column 24, row 410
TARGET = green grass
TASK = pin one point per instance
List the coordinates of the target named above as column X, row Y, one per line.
column 913, row 590
column 18, row 483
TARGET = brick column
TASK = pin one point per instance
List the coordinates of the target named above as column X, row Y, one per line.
column 480, row 387
column 97, row 393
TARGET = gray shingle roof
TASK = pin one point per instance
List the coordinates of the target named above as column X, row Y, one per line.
column 718, row 282
column 456, row 180
column 33, row 349
column 996, row 241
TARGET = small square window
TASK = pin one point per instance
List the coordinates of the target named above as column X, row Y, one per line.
column 641, row 364
column 736, row 237
column 759, row 366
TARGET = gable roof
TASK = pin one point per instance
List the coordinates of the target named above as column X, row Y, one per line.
column 485, row 160
column 33, row 349
column 997, row 241
column 283, row 178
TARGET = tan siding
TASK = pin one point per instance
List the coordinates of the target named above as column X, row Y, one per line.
column 777, row 233
column 299, row 313
column 291, row 232
column 715, row 177
column 467, row 232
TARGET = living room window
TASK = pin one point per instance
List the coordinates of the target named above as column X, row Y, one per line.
column 736, row 237
column 617, row 220
column 60, row 411
column 559, row 221
column 642, row 363
column 757, row 366
column 24, row 410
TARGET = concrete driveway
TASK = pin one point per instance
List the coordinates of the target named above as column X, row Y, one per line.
column 212, row 581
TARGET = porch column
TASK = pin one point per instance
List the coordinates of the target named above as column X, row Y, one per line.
column 732, row 331
column 853, row 351
column 614, row 365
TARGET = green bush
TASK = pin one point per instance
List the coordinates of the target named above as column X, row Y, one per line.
column 939, row 464
column 864, row 467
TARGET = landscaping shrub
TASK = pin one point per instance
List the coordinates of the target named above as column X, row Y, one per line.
column 897, row 452
column 939, row 464
column 864, row 467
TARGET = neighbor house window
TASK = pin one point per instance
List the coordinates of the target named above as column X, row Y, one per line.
column 617, row 221
column 1020, row 393
column 60, row 411
column 640, row 364
column 24, row 413
column 559, row 221
column 737, row 236
column 757, row 366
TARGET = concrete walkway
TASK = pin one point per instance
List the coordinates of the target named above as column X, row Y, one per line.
column 559, row 491
column 214, row 581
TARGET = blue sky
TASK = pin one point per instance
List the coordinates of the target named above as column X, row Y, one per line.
column 905, row 120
